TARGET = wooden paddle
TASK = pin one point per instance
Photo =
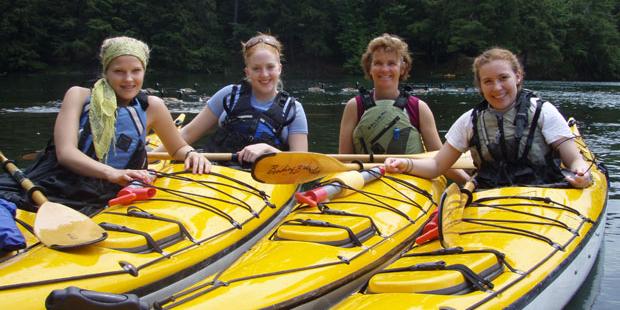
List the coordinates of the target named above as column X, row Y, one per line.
column 464, row 162
column 209, row 156
column 56, row 225
column 451, row 206
column 302, row 167
column 31, row 155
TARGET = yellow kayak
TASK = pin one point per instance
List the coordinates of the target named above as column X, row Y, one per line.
column 318, row 254
column 512, row 247
column 193, row 226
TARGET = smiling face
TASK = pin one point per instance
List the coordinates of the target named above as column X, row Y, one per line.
column 263, row 69
column 125, row 75
column 499, row 83
column 386, row 69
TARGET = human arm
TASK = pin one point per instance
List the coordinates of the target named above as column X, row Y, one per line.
column 159, row 118
column 66, row 141
column 556, row 130
column 347, row 125
column 574, row 161
column 427, row 168
column 297, row 139
column 432, row 142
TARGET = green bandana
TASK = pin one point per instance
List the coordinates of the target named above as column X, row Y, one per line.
column 103, row 104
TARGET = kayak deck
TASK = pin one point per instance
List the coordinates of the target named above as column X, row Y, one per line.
column 514, row 247
column 318, row 254
column 190, row 224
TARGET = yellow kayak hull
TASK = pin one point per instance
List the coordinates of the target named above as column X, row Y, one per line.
column 528, row 247
column 310, row 259
column 222, row 212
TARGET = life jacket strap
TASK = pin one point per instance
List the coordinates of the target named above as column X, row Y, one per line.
column 530, row 136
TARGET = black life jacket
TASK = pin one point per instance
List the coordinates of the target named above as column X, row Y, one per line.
column 61, row 185
column 244, row 125
column 509, row 149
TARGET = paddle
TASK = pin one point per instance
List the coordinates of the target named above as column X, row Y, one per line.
column 31, row 155
column 451, row 206
column 465, row 161
column 56, row 225
column 297, row 167
column 209, row 156
column 301, row 167
column 335, row 189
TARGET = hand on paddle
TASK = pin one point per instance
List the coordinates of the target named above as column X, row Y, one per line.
column 197, row 162
column 250, row 153
column 398, row 165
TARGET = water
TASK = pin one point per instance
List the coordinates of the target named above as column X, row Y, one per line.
column 28, row 105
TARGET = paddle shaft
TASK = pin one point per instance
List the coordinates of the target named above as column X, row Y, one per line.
column 209, row 156
column 36, row 195
column 343, row 157
column 469, row 186
column 378, row 157
column 464, row 162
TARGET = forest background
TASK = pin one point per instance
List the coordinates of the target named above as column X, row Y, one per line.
column 555, row 39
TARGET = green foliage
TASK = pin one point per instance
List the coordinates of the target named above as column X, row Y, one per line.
column 353, row 33
column 555, row 39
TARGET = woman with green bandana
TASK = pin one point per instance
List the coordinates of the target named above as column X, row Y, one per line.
column 99, row 135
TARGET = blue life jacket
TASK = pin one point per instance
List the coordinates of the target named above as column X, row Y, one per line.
column 130, row 134
column 245, row 125
column 11, row 238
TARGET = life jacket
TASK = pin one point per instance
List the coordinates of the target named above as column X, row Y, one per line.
column 387, row 126
column 509, row 148
column 129, row 150
column 245, row 125
column 85, row 194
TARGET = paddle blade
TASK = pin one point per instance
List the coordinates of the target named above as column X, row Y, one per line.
column 60, row 227
column 450, row 215
column 295, row 167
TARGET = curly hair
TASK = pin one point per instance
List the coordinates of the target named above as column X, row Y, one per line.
column 388, row 43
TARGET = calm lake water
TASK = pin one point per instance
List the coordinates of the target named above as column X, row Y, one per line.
column 28, row 105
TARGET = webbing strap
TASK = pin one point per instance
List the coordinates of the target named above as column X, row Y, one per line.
column 477, row 281
column 149, row 239
column 530, row 136
column 316, row 223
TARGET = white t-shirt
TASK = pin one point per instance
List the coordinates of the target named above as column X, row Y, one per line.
column 552, row 123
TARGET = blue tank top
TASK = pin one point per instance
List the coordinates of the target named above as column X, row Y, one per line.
column 130, row 136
